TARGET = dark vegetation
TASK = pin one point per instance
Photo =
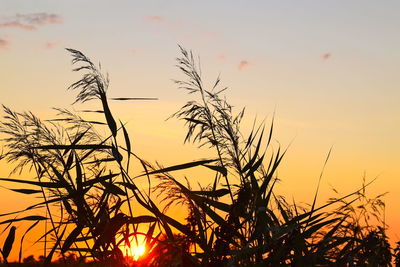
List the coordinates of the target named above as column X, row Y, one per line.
column 89, row 192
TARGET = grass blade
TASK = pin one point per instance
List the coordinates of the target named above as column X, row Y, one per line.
column 27, row 218
column 8, row 244
column 179, row 167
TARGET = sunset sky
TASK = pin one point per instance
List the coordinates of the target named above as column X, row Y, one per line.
column 327, row 69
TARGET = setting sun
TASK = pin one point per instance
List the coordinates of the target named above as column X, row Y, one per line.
column 138, row 251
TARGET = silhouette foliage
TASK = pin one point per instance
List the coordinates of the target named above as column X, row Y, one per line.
column 88, row 190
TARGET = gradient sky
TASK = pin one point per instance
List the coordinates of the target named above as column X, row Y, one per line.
column 328, row 69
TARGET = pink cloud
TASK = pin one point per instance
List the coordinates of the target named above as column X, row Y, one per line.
column 17, row 24
column 4, row 44
column 51, row 45
column 157, row 19
column 133, row 52
column 243, row 64
column 31, row 21
column 326, row 56
column 221, row 57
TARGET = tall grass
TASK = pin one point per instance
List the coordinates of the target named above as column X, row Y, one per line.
column 88, row 191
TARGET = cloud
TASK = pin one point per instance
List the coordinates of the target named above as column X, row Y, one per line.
column 133, row 52
column 17, row 24
column 243, row 64
column 4, row 44
column 157, row 19
column 221, row 57
column 326, row 56
column 51, row 45
column 40, row 18
column 31, row 21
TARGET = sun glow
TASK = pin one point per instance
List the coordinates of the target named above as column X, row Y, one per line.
column 138, row 251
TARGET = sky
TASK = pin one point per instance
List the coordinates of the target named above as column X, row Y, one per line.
column 326, row 69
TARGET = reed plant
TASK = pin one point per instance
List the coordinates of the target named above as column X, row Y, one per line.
column 88, row 190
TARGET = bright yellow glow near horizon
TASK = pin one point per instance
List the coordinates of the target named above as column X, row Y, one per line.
column 138, row 251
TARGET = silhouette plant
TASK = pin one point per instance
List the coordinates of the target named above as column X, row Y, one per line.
column 80, row 176
column 87, row 189
column 238, row 219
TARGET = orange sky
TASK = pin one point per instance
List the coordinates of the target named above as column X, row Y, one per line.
column 328, row 71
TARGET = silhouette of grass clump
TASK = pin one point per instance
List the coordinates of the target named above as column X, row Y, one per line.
column 88, row 190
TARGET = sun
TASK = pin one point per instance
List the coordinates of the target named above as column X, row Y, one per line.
column 138, row 251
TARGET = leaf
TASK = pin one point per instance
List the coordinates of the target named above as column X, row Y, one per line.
column 111, row 188
column 41, row 184
column 27, row 218
column 149, row 236
column 92, row 111
column 128, row 185
column 127, row 142
column 71, row 238
column 109, row 118
column 22, row 239
column 70, row 160
column 254, row 167
column 68, row 147
column 319, row 181
column 118, row 157
column 255, row 154
column 110, row 229
column 214, row 193
column 195, row 121
column 180, row 167
column 133, row 98
column 98, row 161
column 314, row 228
column 67, row 206
column 77, row 139
column 52, row 200
column 57, row 243
column 220, row 169
column 25, row 191
column 9, row 242
column 99, row 179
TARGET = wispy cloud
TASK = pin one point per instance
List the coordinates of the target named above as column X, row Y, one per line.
column 326, row 56
column 133, row 52
column 17, row 24
column 4, row 44
column 243, row 64
column 157, row 19
column 221, row 58
column 51, row 45
column 30, row 21
column 40, row 18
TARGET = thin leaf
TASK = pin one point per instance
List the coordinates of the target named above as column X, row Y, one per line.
column 111, row 188
column 180, row 167
column 109, row 117
column 84, row 147
column 99, row 179
column 214, row 193
column 71, row 238
column 8, row 244
column 22, row 240
column 27, row 218
column 41, row 184
column 219, row 169
column 134, row 98
column 25, row 191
